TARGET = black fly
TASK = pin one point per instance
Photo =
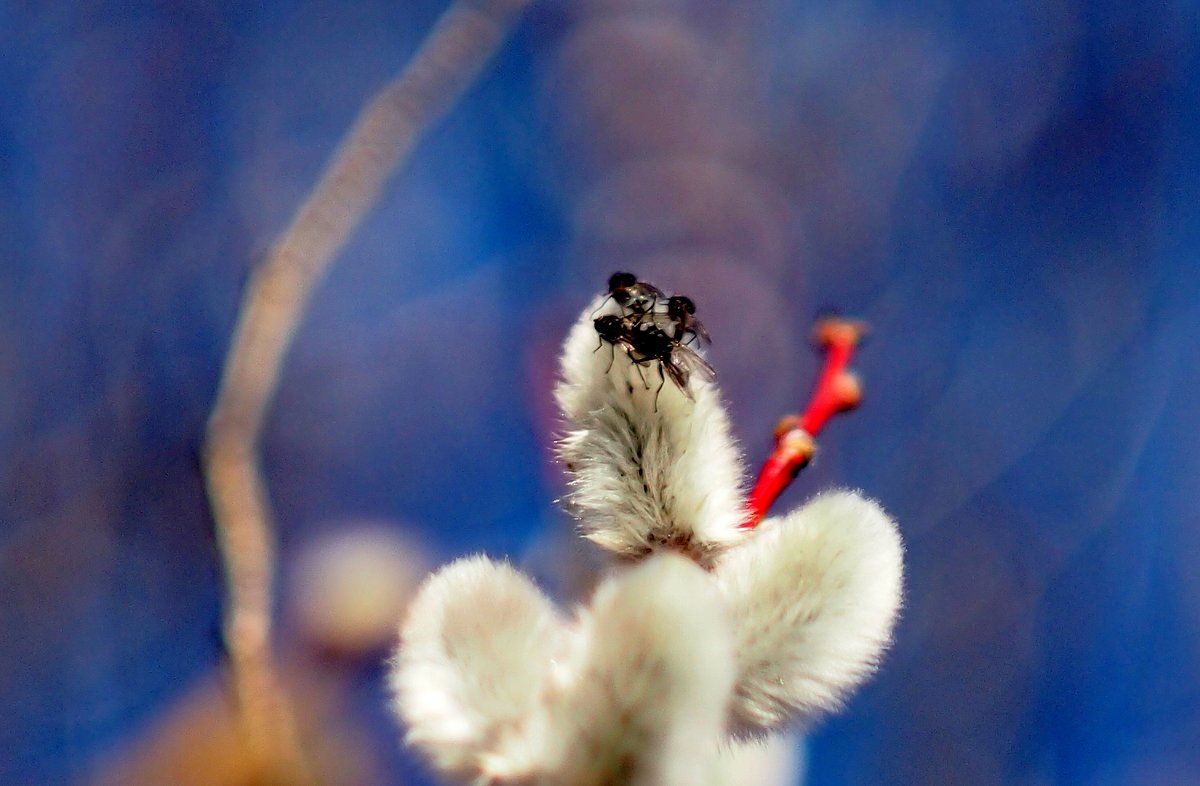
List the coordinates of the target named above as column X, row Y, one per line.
column 645, row 343
column 636, row 298
column 648, row 334
column 676, row 361
column 615, row 330
column 681, row 312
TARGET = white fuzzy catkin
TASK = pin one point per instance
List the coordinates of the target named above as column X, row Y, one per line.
column 474, row 657
column 648, row 683
column 496, row 689
column 650, row 468
column 774, row 760
column 815, row 595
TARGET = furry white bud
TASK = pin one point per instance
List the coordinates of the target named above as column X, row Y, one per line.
column 648, row 683
column 651, row 467
column 815, row 595
column 495, row 688
column 470, row 671
column 773, row 760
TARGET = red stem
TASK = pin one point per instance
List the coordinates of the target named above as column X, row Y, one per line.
column 837, row 391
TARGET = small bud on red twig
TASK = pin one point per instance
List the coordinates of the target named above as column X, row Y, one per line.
column 838, row 390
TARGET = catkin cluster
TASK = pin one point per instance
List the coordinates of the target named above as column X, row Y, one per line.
column 703, row 632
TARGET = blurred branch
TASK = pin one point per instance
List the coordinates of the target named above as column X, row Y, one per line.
column 385, row 132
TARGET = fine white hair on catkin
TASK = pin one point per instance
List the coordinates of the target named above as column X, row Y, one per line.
column 768, row 760
column 815, row 595
column 650, row 468
column 468, row 677
column 648, row 681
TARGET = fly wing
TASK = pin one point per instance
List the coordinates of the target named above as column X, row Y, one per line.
column 651, row 290
column 689, row 360
column 679, row 375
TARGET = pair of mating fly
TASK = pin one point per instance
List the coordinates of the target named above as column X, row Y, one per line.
column 653, row 326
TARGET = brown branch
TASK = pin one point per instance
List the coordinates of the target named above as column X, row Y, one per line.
column 385, row 132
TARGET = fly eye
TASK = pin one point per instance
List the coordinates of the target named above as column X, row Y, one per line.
column 621, row 280
column 681, row 304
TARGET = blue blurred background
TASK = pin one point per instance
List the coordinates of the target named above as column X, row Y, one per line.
column 1007, row 191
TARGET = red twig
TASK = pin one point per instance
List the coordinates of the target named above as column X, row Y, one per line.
column 838, row 390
